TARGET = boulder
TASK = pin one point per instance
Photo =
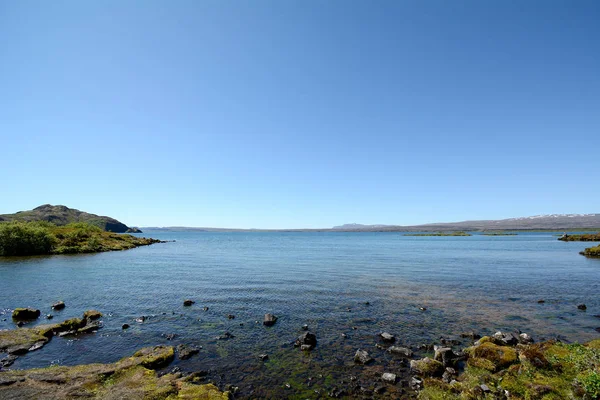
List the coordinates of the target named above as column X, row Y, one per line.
column 188, row 302
column 125, row 326
column 58, row 306
column 389, row 377
column 269, row 320
column 525, row 338
column 445, row 355
column 362, row 357
column 25, row 313
column 427, row 367
column 507, row 338
column 490, row 356
column 306, row 339
column 582, row 307
column 400, row 351
column 92, row 315
column 387, row 337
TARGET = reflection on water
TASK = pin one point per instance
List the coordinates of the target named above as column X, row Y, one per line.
column 476, row 283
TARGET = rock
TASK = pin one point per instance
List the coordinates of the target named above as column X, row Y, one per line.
column 8, row 361
column 525, row 338
column 581, row 306
column 169, row 336
column 263, row 357
column 344, row 336
column 269, row 320
column 427, row 367
column 445, row 355
column 37, row 346
column 230, row 316
column 470, row 335
column 509, row 338
column 205, row 308
column 415, row 383
column 389, row 377
column 400, row 351
column 49, row 316
column 449, row 375
column 305, row 327
column 423, row 308
column 306, row 347
column 188, row 302
column 485, row 388
column 184, row 352
column 387, row 337
column 307, row 338
column 362, row 357
column 140, row 320
column 90, row 327
column 225, row 336
column 541, row 301
column 92, row 315
column 25, row 313
column 125, row 326
column 490, row 356
column 58, row 306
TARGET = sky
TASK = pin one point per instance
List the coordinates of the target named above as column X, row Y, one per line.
column 300, row 114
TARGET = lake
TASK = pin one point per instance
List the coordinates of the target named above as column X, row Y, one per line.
column 359, row 284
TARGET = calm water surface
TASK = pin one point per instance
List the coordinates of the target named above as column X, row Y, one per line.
column 476, row 283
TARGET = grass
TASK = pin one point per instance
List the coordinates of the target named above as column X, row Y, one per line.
column 20, row 238
column 499, row 234
column 548, row 370
column 457, row 233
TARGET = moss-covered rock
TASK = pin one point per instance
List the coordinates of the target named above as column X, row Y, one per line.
column 129, row 378
column 23, row 314
column 427, row 367
column 547, row 371
column 499, row 356
column 92, row 315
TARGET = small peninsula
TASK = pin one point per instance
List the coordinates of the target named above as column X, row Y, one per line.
column 61, row 215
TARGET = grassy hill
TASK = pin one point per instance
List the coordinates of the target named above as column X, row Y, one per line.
column 62, row 215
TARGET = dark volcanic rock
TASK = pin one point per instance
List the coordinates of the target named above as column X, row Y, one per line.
column 25, row 314
column 125, row 326
column 306, row 339
column 58, row 306
column 269, row 320
column 582, row 307
column 188, row 302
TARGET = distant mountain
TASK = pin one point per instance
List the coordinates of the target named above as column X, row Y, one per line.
column 62, row 215
column 551, row 221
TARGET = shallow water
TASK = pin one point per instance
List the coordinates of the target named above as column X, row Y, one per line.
column 481, row 283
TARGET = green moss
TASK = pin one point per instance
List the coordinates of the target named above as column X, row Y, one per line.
column 542, row 371
column 592, row 251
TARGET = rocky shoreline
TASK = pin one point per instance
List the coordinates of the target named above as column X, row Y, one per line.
column 506, row 365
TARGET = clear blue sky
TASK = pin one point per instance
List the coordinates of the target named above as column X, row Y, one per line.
column 280, row 114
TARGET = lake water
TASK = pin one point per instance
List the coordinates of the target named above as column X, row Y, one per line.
column 480, row 283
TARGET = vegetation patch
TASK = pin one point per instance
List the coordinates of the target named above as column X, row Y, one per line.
column 589, row 237
column 20, row 238
column 548, row 370
column 591, row 252
column 457, row 233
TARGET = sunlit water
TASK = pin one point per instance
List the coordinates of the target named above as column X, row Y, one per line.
column 475, row 283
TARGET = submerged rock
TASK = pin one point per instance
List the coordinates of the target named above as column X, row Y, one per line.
column 362, row 357
column 188, row 302
column 184, row 352
column 306, row 339
column 125, row 326
column 130, row 378
column 225, row 336
column 269, row 320
column 25, row 314
column 400, row 351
